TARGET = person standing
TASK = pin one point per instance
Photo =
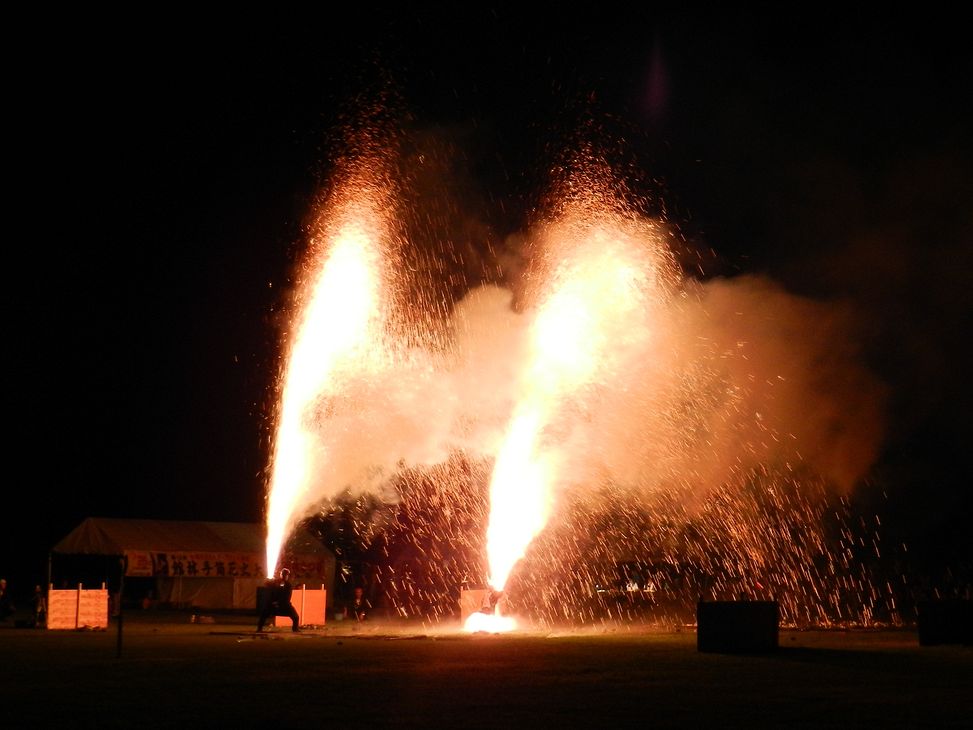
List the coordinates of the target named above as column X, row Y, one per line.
column 279, row 601
column 7, row 607
column 39, row 607
column 359, row 604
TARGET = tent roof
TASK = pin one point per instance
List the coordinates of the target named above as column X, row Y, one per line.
column 113, row 536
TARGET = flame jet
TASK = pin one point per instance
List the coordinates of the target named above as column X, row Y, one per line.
column 339, row 328
column 601, row 296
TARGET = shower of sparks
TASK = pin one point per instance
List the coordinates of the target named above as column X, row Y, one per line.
column 598, row 286
column 621, row 443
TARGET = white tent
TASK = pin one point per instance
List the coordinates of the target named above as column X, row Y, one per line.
column 199, row 564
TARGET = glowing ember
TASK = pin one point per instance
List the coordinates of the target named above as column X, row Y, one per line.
column 340, row 318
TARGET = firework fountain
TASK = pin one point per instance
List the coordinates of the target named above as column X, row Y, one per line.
column 614, row 412
column 342, row 309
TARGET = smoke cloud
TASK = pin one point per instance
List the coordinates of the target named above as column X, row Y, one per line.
column 726, row 377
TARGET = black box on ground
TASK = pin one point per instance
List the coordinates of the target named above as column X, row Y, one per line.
column 737, row 627
column 946, row 621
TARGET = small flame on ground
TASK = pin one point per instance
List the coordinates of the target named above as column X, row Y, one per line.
column 490, row 623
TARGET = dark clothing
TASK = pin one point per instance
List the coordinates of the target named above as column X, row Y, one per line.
column 6, row 605
column 358, row 607
column 39, row 606
column 279, row 604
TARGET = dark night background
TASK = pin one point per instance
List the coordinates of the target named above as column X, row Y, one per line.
column 162, row 175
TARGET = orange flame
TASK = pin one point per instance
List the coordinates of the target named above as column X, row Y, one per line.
column 597, row 289
column 340, row 319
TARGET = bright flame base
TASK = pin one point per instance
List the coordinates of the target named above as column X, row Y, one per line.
column 490, row 623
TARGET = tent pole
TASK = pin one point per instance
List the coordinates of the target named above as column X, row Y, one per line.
column 121, row 588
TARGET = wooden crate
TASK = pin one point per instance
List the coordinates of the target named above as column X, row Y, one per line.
column 311, row 605
column 77, row 608
column 471, row 601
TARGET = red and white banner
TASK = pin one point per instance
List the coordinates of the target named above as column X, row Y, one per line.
column 194, row 564
column 145, row 563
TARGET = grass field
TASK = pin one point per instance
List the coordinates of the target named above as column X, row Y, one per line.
column 174, row 673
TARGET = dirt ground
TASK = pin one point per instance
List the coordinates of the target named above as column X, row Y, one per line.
column 172, row 672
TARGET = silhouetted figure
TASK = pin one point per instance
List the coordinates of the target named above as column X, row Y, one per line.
column 7, row 607
column 38, row 604
column 359, row 605
column 279, row 601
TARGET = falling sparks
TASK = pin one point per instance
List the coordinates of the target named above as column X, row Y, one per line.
column 621, row 442
column 598, row 286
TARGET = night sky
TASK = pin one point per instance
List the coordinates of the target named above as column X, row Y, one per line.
column 162, row 178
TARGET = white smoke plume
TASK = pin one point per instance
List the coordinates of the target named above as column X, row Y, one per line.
column 729, row 376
